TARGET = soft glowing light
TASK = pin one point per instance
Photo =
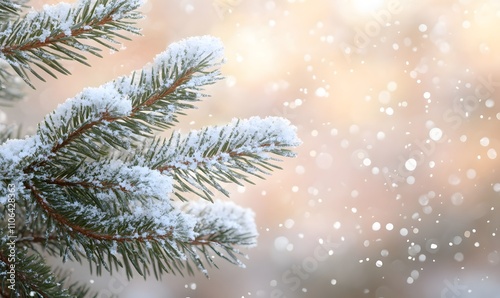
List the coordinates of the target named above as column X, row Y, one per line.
column 368, row 5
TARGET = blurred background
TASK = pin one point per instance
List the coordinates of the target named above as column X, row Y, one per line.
column 395, row 191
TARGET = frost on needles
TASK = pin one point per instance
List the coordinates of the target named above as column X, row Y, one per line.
column 95, row 183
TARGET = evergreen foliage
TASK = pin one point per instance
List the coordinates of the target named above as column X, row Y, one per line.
column 94, row 183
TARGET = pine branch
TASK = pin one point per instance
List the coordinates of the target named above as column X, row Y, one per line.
column 33, row 278
column 221, row 226
column 101, row 234
column 93, row 184
column 125, row 110
column 45, row 38
column 225, row 154
column 103, row 237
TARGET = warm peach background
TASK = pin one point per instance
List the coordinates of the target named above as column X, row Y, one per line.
column 370, row 85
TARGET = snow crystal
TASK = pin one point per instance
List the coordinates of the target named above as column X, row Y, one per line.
column 45, row 34
column 100, row 10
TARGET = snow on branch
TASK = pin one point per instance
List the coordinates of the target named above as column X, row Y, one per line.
column 95, row 182
column 202, row 54
column 174, row 81
column 132, row 106
column 223, row 153
column 119, row 176
column 150, row 233
column 223, row 222
column 43, row 38
column 77, row 118
column 17, row 154
column 148, row 226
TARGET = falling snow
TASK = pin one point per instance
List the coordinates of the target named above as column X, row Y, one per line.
column 395, row 191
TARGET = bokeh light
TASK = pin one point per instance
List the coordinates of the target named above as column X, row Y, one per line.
column 395, row 191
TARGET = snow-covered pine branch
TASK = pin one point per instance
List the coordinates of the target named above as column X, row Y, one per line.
column 48, row 282
column 227, row 153
column 95, row 184
column 44, row 38
column 130, row 107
